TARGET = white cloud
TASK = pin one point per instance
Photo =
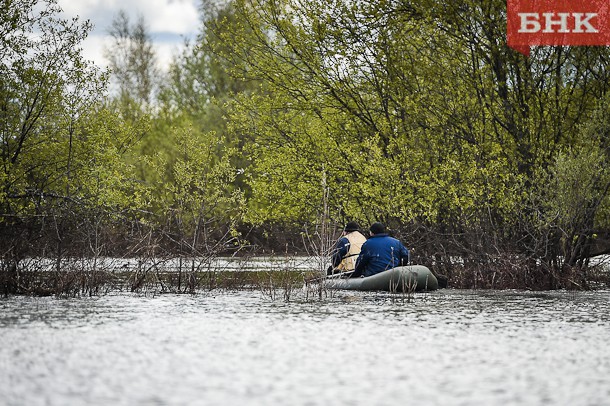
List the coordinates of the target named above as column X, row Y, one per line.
column 179, row 17
column 168, row 22
column 93, row 49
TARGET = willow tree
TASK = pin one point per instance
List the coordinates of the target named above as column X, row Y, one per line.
column 186, row 161
column 355, row 90
column 200, row 85
column 61, row 156
column 415, row 113
column 535, row 109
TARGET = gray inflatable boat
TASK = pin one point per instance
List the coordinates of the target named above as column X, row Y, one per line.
column 412, row 278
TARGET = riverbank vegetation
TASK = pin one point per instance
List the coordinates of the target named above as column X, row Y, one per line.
column 284, row 120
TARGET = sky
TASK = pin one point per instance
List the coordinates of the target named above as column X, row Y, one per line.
column 169, row 22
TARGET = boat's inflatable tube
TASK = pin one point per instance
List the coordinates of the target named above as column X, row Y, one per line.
column 411, row 278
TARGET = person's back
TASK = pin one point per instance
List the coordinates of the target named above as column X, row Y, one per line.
column 347, row 249
column 380, row 253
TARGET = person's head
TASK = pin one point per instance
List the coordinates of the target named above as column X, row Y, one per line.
column 351, row 226
column 377, row 228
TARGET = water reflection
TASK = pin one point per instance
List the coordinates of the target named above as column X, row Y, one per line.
column 442, row 348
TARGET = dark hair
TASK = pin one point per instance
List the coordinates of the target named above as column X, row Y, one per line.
column 377, row 228
column 351, row 226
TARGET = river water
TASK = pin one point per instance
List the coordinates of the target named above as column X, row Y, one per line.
column 351, row 348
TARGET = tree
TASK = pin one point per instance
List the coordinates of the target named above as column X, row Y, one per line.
column 46, row 87
column 132, row 61
column 198, row 209
column 186, row 160
column 200, row 85
column 61, row 155
column 415, row 113
column 577, row 187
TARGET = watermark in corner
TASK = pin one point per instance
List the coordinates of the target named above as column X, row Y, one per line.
column 557, row 23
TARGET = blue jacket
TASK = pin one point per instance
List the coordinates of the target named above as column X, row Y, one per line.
column 380, row 253
column 341, row 250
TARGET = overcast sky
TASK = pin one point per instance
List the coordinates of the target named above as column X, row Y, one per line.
column 168, row 22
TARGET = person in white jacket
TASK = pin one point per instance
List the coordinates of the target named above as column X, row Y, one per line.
column 347, row 249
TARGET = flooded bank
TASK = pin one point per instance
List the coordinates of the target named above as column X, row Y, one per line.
column 355, row 348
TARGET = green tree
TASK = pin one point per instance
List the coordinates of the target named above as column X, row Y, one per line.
column 199, row 209
column 200, row 86
column 415, row 113
column 46, row 87
column 61, row 156
column 576, row 191
column 194, row 97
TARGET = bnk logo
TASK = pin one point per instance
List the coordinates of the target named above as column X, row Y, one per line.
column 557, row 22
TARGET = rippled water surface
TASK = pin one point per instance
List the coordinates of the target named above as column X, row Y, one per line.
column 442, row 348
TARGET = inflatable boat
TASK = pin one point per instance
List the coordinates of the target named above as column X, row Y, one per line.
column 413, row 278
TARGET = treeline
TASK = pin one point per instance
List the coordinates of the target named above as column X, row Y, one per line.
column 284, row 120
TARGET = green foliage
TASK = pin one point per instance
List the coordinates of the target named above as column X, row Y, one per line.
column 576, row 188
column 409, row 113
column 46, row 91
column 345, row 100
column 413, row 113
column 103, row 174
column 200, row 195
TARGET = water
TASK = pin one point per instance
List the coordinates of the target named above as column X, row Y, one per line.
column 271, row 263
column 443, row 348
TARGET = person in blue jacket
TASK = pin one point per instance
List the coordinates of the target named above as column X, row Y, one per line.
column 380, row 253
